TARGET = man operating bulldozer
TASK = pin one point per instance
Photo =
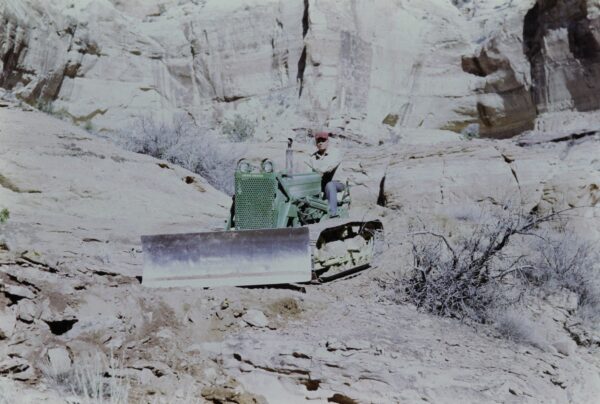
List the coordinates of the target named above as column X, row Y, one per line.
column 277, row 231
column 326, row 161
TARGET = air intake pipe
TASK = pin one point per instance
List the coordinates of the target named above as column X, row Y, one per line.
column 289, row 158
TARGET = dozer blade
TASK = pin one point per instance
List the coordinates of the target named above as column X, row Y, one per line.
column 227, row 258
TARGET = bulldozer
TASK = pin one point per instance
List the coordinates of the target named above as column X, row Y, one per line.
column 279, row 231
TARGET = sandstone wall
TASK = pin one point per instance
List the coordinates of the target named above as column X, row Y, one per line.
column 368, row 69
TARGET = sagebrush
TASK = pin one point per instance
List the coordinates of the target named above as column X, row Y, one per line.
column 239, row 129
column 184, row 143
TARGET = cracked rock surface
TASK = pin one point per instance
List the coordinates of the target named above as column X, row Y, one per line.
column 70, row 292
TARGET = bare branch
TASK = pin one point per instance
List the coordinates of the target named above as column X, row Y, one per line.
column 517, row 269
column 454, row 257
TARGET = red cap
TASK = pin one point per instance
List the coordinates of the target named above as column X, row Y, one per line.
column 322, row 135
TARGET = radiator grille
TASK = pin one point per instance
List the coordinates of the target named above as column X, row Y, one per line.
column 254, row 201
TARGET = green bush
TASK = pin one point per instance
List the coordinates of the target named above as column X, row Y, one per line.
column 4, row 215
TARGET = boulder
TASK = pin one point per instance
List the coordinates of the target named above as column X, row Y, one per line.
column 8, row 321
column 27, row 311
column 59, row 359
column 565, row 346
column 19, row 291
column 256, row 318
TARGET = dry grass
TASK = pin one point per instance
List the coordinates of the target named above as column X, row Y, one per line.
column 91, row 379
column 516, row 326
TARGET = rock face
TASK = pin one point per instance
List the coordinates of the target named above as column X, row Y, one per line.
column 97, row 167
column 562, row 42
column 366, row 69
column 505, row 107
column 428, row 178
column 71, row 297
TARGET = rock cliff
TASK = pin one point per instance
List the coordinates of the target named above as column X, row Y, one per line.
column 369, row 70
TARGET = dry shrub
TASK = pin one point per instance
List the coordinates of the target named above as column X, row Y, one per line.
column 566, row 261
column 239, row 129
column 459, row 278
column 471, row 277
column 184, row 143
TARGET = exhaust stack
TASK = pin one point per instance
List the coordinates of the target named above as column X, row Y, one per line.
column 289, row 158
